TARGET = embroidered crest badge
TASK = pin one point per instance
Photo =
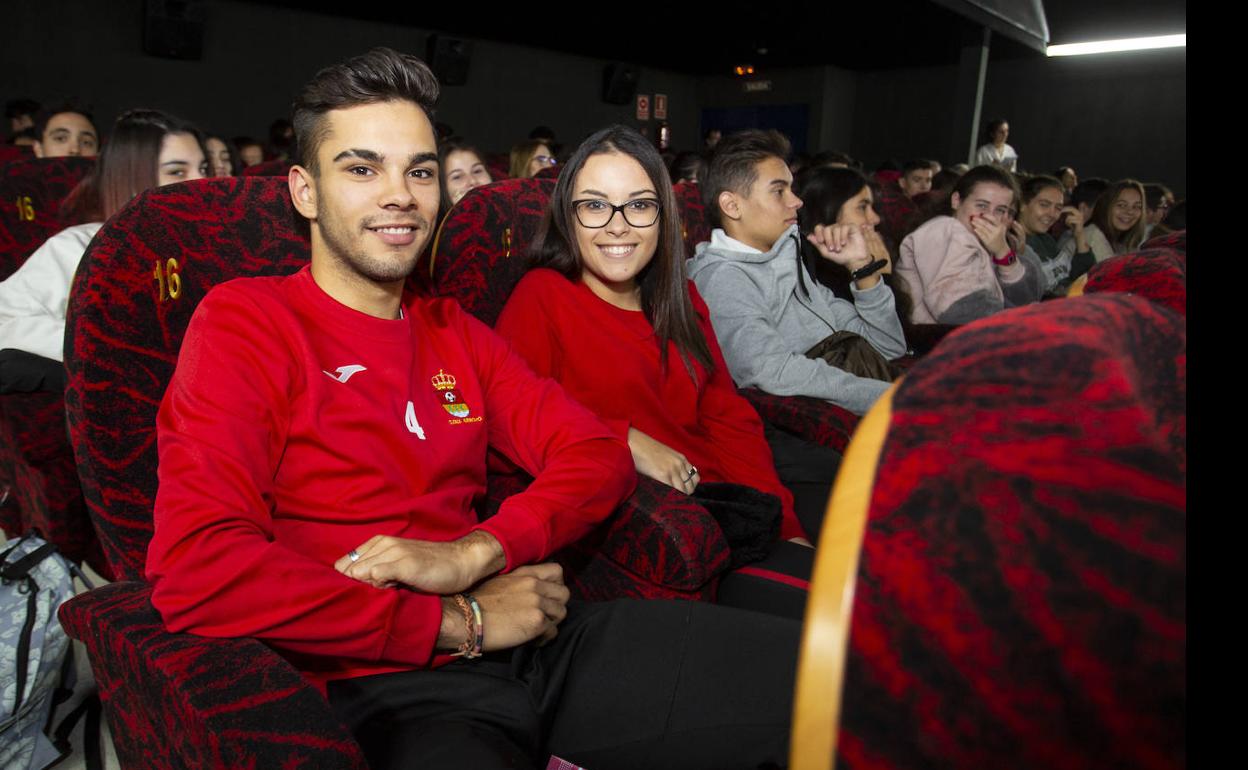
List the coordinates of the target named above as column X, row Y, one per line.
column 450, row 398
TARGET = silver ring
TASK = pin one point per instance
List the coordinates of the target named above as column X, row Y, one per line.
column 353, row 555
column 693, row 471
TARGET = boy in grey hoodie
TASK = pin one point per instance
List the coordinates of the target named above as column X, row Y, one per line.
column 766, row 308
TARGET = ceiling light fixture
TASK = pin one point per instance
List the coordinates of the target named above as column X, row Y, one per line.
column 1113, row 46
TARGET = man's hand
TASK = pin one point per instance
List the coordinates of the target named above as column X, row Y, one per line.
column 662, row 463
column 526, row 604
column 432, row 567
column 991, row 235
column 843, row 244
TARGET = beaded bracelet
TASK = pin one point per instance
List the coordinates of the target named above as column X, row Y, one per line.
column 471, row 648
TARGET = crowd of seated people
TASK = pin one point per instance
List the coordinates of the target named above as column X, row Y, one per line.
column 809, row 286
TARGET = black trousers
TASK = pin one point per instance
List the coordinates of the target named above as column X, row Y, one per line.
column 626, row 684
column 808, row 470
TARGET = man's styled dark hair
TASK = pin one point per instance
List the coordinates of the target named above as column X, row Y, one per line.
column 381, row 75
column 664, row 287
column 991, row 175
column 916, row 164
column 733, row 165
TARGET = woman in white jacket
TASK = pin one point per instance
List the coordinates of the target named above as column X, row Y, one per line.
column 146, row 148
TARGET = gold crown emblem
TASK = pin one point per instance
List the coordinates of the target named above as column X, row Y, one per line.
column 443, row 381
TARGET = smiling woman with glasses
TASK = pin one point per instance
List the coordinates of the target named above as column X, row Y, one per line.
column 611, row 315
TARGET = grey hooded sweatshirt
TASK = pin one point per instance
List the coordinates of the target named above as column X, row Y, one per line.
column 765, row 323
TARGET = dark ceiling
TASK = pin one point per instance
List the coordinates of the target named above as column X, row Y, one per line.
column 711, row 37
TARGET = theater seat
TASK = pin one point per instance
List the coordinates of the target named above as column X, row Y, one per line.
column 269, row 168
column 657, row 544
column 31, row 192
column 1001, row 580
column 38, row 479
column 695, row 227
column 1160, row 274
column 1176, row 240
column 174, row 700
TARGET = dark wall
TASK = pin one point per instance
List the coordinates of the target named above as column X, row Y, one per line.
column 1112, row 115
column 255, row 57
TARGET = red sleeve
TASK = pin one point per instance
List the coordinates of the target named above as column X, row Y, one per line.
column 736, row 430
column 582, row 469
column 215, row 567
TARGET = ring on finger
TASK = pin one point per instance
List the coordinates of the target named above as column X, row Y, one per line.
column 693, row 471
column 353, row 555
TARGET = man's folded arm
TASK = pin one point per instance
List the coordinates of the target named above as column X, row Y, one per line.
column 582, row 469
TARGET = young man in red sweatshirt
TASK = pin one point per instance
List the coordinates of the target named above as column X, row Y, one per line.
column 321, row 444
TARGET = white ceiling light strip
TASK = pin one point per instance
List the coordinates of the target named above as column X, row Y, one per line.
column 1113, row 46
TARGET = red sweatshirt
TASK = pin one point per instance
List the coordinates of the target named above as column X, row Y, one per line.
column 607, row 358
column 296, row 428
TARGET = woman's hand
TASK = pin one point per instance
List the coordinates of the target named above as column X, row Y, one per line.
column 662, row 463
column 991, row 235
column 1016, row 236
column 875, row 245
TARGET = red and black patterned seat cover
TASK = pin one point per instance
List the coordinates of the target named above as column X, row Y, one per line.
column 133, row 295
column 31, row 192
column 812, row 419
column 1176, row 240
column 269, row 168
column 657, row 544
column 174, row 700
column 36, row 463
column 1021, row 593
column 695, row 226
column 1159, row 274
column 481, row 251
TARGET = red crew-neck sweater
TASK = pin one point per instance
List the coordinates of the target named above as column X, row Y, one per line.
column 296, row 428
column 608, row 359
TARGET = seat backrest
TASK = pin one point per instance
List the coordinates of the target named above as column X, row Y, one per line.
column 133, row 295
column 480, row 252
column 12, row 152
column 269, row 168
column 1159, row 274
column 695, row 226
column 1176, row 240
column 1019, row 596
column 31, row 192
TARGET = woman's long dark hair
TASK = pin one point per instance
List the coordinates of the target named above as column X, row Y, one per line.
column 128, row 164
column 824, row 191
column 664, row 288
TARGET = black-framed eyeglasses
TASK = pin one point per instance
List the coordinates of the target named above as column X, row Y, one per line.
column 595, row 212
